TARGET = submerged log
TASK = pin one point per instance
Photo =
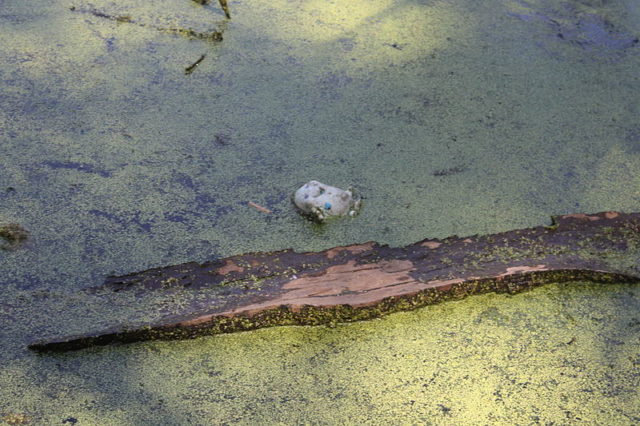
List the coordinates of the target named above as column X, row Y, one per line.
column 368, row 280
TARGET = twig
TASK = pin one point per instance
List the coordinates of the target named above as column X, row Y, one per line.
column 225, row 8
column 223, row 5
column 191, row 68
column 259, row 207
column 210, row 36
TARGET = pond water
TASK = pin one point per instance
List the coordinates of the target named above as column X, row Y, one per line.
column 448, row 117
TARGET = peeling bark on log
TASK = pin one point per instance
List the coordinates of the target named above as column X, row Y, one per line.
column 367, row 280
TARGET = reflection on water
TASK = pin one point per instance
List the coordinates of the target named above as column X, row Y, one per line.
column 449, row 118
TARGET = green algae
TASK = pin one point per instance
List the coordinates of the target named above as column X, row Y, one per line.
column 381, row 95
column 490, row 358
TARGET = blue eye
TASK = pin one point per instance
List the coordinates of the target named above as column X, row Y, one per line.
column 327, row 206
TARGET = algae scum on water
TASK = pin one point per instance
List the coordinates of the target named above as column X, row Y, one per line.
column 130, row 139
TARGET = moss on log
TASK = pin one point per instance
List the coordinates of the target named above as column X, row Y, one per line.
column 365, row 281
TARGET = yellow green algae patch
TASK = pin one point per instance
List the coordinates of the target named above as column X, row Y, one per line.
column 562, row 353
column 120, row 162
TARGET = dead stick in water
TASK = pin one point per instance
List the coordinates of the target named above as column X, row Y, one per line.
column 210, row 36
column 188, row 70
column 225, row 8
column 365, row 281
column 259, row 207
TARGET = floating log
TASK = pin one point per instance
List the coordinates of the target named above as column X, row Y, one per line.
column 365, row 281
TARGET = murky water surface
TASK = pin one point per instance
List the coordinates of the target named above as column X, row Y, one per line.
column 449, row 117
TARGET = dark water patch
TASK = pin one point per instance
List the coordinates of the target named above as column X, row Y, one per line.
column 110, row 44
column 45, row 104
column 184, row 180
column 208, row 206
column 244, row 180
column 222, row 139
column 450, row 171
column 176, row 217
column 78, row 166
column 126, row 220
column 220, row 79
column 16, row 18
column 8, row 192
column 204, row 201
column 272, row 201
column 280, row 130
column 588, row 28
column 93, row 251
column 333, row 84
column 347, row 43
column 414, row 108
column 593, row 31
column 16, row 58
column 632, row 139
column 27, row 280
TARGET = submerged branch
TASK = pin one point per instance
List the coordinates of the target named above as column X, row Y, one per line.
column 209, row 36
column 191, row 68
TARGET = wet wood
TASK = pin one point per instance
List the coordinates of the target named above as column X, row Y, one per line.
column 189, row 70
column 367, row 280
column 225, row 8
column 259, row 207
